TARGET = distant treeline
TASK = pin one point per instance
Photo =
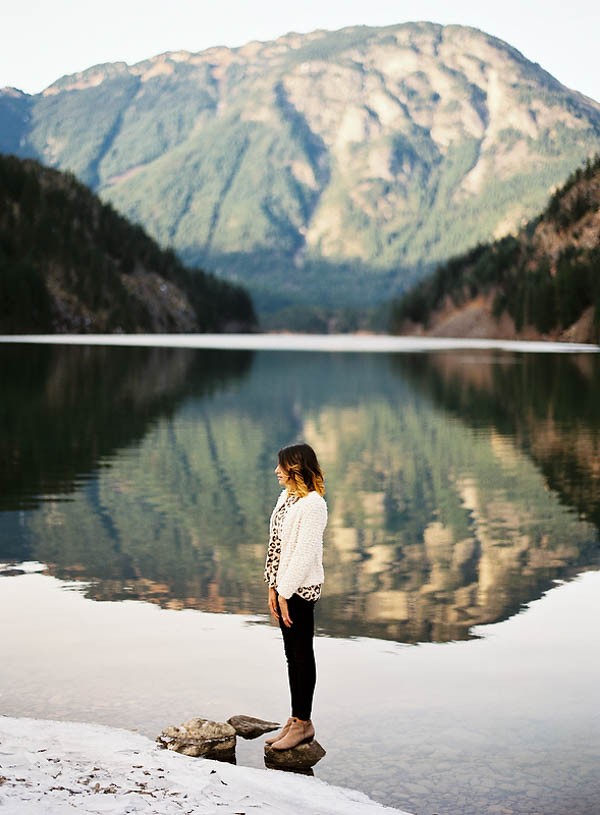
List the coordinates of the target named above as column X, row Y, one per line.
column 535, row 288
column 68, row 262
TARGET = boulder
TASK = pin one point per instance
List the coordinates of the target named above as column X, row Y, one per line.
column 299, row 759
column 200, row 737
column 250, row 728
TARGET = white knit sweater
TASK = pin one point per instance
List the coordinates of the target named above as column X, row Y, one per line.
column 301, row 562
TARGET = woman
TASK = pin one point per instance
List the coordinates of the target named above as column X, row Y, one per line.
column 294, row 572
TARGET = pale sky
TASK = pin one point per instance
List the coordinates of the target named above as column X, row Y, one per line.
column 41, row 40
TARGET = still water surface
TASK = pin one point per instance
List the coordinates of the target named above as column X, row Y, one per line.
column 463, row 486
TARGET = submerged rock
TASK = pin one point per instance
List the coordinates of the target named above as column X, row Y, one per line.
column 200, row 737
column 248, row 727
column 298, row 759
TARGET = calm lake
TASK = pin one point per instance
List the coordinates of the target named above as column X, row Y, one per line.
column 458, row 656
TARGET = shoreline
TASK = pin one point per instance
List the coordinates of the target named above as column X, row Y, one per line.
column 350, row 343
column 53, row 767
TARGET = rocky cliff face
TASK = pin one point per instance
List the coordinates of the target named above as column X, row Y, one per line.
column 300, row 165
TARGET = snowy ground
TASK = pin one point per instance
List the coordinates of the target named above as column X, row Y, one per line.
column 51, row 768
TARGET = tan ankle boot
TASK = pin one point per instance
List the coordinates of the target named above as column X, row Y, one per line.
column 281, row 734
column 298, row 733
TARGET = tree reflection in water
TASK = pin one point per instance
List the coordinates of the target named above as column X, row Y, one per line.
column 459, row 486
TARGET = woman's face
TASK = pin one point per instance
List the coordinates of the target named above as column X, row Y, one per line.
column 282, row 475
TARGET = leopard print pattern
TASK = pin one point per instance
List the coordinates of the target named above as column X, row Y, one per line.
column 274, row 553
column 310, row 592
column 274, row 548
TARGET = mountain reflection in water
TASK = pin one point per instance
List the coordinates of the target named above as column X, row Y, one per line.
column 460, row 485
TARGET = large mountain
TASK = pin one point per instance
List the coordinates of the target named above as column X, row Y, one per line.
column 331, row 168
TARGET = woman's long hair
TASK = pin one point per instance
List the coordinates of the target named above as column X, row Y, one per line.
column 302, row 468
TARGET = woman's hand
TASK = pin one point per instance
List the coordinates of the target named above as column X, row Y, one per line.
column 273, row 607
column 285, row 614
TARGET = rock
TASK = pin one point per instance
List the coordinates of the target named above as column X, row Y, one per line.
column 249, row 727
column 299, row 759
column 200, row 737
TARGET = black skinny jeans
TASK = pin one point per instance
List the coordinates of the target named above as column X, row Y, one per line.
column 300, row 655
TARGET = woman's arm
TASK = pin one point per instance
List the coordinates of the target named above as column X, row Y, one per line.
column 310, row 540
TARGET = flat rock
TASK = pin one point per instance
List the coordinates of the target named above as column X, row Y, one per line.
column 298, row 758
column 200, row 737
column 248, row 727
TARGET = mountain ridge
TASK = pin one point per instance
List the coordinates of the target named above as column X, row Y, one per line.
column 332, row 167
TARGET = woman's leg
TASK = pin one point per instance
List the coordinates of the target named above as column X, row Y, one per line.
column 299, row 652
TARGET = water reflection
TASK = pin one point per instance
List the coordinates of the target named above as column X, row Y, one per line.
column 442, row 518
column 547, row 404
column 64, row 409
column 459, row 486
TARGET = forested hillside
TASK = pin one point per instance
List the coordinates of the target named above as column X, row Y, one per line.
column 69, row 263
column 329, row 169
column 542, row 282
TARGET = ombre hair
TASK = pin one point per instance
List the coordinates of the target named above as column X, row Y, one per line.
column 302, row 468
